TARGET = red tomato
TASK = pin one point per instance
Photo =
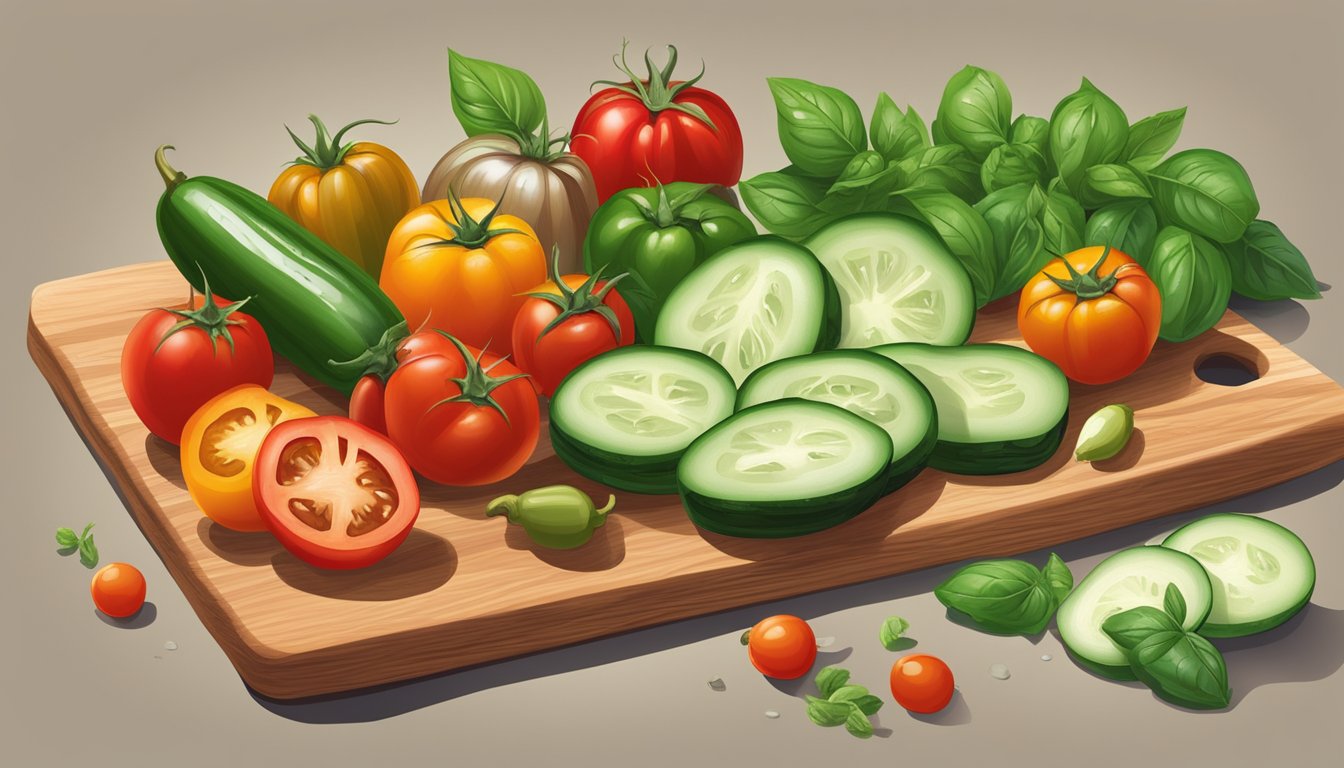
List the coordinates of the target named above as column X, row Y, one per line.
column 656, row 128
column 574, row 318
column 177, row 358
column 782, row 647
column 118, row 590
column 370, row 392
column 921, row 683
column 461, row 416
column 335, row 493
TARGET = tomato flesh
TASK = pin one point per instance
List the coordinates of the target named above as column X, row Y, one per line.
column 922, row 683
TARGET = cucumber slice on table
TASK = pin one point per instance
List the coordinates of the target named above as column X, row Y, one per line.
column 1128, row 579
column 864, row 384
column 897, row 281
column 784, row 468
column 1000, row 408
column 624, row 417
column 760, row 300
column 1262, row 573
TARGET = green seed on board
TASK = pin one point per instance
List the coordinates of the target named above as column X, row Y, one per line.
column 1105, row 433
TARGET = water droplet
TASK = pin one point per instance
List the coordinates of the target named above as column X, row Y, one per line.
column 999, row 672
column 717, row 684
column 170, row 646
column 1046, row 657
column 825, row 642
column 772, row 714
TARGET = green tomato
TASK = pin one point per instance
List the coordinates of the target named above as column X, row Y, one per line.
column 658, row 235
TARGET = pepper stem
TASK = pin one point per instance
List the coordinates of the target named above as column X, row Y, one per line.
column 504, row 505
column 171, row 176
column 611, row 504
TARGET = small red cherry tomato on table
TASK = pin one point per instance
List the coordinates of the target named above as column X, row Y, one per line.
column 566, row 321
column 118, row 590
column 921, row 683
column 177, row 358
column 335, row 493
column 656, row 128
column 783, row 647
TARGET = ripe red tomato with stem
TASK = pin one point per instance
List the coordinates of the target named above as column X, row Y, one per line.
column 922, row 683
column 567, row 320
column 461, row 416
column 656, row 128
column 783, row 647
column 173, row 361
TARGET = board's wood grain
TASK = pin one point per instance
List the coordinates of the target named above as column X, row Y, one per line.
column 465, row 589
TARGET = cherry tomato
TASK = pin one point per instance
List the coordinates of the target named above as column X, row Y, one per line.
column 176, row 358
column 370, row 392
column 334, row 492
column 566, row 321
column 921, row 683
column 219, row 449
column 462, row 416
column 118, row 590
column 782, row 647
column 657, row 129
column 1093, row 312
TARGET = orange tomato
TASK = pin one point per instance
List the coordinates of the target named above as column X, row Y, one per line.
column 219, row 448
column 782, row 647
column 921, row 683
column 1093, row 312
column 461, row 267
column 118, row 590
column 350, row 196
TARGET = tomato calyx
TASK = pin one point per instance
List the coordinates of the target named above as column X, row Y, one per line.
column 657, row 91
column 467, row 231
column 476, row 384
column 577, row 301
column 1089, row 285
column 211, row 318
column 668, row 211
column 327, row 151
column 381, row 359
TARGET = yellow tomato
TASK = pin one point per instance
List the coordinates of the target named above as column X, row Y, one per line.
column 350, row 196
column 464, row 268
column 219, row 446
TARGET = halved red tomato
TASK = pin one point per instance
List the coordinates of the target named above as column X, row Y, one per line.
column 334, row 492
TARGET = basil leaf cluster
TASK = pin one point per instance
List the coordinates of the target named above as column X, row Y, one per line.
column 1010, row 597
column 1180, row 666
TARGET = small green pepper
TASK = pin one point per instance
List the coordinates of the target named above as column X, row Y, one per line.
column 557, row 516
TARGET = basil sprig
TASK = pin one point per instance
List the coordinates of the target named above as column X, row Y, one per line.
column 843, row 703
column 1180, row 666
column 1009, row 597
column 70, row 541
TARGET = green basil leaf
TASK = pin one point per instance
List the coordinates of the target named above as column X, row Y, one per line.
column 1063, row 222
column 1183, row 668
column 940, row 139
column 847, row 693
column 860, row 170
column 964, row 232
column 1031, row 131
column 88, row 552
column 1086, row 129
column 975, row 111
column 1013, row 216
column 948, row 167
column 1106, row 183
column 820, row 128
column 831, row 679
column 87, row 528
column 1127, row 628
column 892, row 630
column 1058, row 576
column 896, row 135
column 493, row 98
column 1129, row 226
column 1206, row 192
column 1266, row 266
column 785, row 203
column 1173, row 602
column 1007, row 594
column 828, row 713
column 868, row 705
column 1194, row 279
column 1009, row 164
column 1152, row 137
column 857, row 722
column 66, row 538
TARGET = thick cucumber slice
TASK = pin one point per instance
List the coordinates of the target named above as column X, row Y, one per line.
column 784, row 468
column 864, row 384
column 624, row 417
column 763, row 299
column 1000, row 408
column 1262, row 573
column 1128, row 579
column 897, row 282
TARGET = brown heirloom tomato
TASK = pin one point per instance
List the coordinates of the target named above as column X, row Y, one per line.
column 1093, row 312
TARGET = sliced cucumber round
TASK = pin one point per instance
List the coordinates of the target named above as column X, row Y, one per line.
column 1000, row 409
column 897, row 281
column 1128, row 579
column 624, row 417
column 866, row 385
column 1262, row 573
column 763, row 299
column 784, row 468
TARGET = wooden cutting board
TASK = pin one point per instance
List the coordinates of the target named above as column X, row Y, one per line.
column 465, row 589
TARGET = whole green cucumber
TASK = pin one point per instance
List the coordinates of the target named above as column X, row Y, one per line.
column 320, row 311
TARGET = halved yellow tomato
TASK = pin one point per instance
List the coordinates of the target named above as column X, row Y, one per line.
column 219, row 449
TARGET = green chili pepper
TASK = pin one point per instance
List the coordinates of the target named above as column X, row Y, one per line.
column 557, row 516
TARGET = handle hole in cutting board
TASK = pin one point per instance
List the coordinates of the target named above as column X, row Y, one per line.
column 1226, row 370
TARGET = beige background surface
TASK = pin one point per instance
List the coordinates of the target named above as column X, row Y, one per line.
column 87, row 91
